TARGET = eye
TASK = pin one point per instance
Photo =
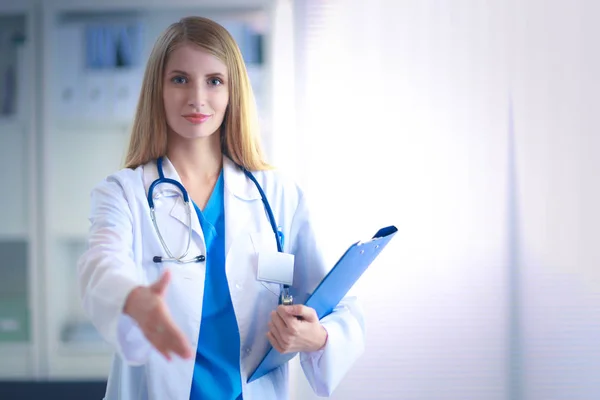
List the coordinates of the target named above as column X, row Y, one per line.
column 215, row 81
column 179, row 80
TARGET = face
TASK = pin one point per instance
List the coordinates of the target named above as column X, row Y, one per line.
column 195, row 92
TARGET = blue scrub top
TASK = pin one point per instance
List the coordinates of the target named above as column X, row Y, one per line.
column 217, row 368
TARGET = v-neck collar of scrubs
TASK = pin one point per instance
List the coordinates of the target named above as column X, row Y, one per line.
column 217, row 369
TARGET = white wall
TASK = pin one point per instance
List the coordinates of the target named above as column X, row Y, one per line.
column 471, row 126
column 404, row 127
column 555, row 62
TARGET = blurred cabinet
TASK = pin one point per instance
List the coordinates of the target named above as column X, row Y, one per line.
column 94, row 61
column 17, row 229
column 102, row 79
column 70, row 77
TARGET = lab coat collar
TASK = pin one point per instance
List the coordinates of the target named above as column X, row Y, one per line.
column 179, row 211
column 237, row 183
column 151, row 174
column 240, row 191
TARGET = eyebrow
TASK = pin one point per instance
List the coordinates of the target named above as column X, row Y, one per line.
column 177, row 71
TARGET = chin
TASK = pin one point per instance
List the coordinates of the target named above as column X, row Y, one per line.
column 197, row 132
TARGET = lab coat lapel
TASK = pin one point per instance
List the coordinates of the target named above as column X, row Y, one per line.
column 178, row 211
column 240, row 192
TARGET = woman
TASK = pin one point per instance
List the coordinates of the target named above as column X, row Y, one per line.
column 198, row 329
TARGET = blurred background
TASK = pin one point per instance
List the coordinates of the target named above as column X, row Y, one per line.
column 472, row 126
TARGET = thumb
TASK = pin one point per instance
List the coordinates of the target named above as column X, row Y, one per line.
column 161, row 284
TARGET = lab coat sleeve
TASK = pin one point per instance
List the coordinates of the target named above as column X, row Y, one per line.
column 107, row 272
column 324, row 369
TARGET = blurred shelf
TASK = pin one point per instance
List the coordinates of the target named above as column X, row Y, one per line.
column 77, row 365
column 11, row 349
column 84, row 349
column 14, row 320
column 9, row 124
column 13, row 7
column 86, row 356
column 15, row 360
column 153, row 5
column 81, row 359
column 71, row 237
column 93, row 125
column 14, row 236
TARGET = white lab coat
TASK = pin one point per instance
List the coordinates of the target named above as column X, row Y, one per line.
column 123, row 241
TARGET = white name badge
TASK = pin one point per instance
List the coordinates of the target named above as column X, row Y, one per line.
column 276, row 268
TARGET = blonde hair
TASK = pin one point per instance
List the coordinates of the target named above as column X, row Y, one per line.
column 239, row 130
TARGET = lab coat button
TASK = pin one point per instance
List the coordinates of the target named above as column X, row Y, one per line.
column 238, row 286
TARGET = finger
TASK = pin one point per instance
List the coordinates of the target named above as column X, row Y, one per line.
column 156, row 338
column 176, row 341
column 274, row 342
column 161, row 284
column 279, row 322
column 285, row 316
column 166, row 335
column 159, row 345
column 279, row 334
column 180, row 345
column 299, row 310
column 166, row 354
column 164, row 345
column 288, row 328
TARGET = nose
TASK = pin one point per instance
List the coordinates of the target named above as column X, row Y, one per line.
column 198, row 96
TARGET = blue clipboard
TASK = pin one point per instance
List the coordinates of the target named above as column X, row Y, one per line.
column 332, row 289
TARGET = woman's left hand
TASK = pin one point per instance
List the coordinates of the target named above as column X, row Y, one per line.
column 296, row 329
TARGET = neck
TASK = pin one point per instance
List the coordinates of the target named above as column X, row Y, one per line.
column 197, row 159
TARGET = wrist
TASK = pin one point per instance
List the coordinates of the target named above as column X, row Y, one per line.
column 129, row 306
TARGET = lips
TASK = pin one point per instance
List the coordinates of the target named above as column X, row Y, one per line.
column 197, row 118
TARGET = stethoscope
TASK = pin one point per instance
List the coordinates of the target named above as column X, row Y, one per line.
column 285, row 297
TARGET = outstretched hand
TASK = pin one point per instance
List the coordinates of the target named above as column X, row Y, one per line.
column 146, row 305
